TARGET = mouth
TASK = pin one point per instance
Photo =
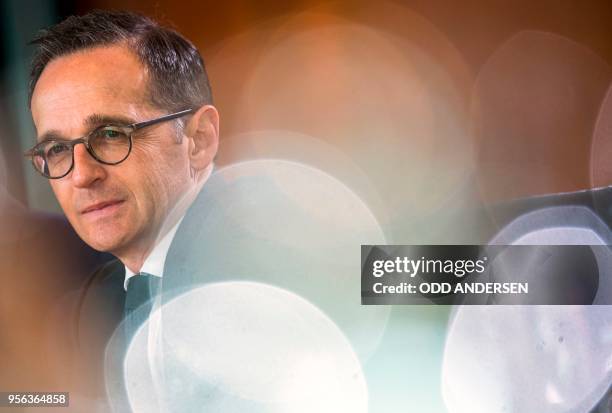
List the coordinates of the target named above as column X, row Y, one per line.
column 102, row 207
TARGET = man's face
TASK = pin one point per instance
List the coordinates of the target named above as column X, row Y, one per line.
column 117, row 208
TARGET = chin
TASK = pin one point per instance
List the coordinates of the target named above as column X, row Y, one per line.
column 103, row 242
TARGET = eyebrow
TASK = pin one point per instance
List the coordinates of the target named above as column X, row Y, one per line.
column 95, row 120
column 91, row 122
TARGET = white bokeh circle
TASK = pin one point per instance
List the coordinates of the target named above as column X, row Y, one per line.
column 243, row 346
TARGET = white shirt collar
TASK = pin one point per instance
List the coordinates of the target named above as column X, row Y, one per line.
column 154, row 263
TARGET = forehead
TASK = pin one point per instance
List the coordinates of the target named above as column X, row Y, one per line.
column 107, row 80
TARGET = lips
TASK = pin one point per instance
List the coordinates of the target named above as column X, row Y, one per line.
column 100, row 206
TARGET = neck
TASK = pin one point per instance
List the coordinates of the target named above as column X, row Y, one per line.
column 134, row 260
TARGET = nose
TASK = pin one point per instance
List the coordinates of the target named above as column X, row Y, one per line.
column 86, row 170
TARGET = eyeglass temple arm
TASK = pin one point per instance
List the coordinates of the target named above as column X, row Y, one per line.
column 162, row 119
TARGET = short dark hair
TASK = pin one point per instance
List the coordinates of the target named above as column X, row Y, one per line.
column 177, row 75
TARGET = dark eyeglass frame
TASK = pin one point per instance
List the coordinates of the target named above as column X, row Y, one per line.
column 128, row 129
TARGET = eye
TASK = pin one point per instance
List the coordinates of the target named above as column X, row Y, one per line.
column 56, row 150
column 111, row 133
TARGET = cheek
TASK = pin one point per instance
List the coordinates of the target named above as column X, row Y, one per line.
column 166, row 170
column 63, row 195
column 149, row 185
column 159, row 175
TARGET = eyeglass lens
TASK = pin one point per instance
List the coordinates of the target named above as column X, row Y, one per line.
column 109, row 144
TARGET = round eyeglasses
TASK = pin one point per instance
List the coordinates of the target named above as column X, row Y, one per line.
column 108, row 144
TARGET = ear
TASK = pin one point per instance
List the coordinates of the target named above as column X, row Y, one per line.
column 202, row 131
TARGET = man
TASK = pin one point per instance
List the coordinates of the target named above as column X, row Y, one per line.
column 126, row 135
